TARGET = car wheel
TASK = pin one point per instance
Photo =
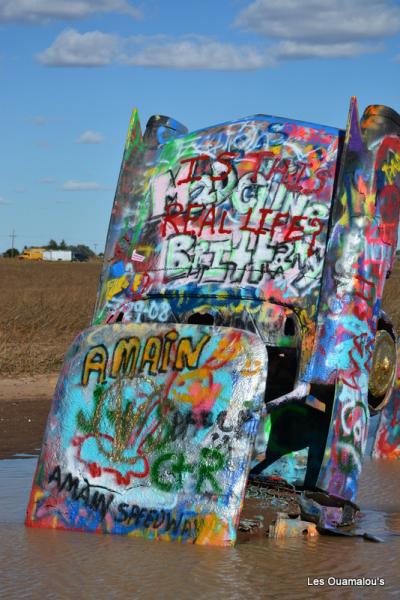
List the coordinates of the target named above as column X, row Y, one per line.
column 383, row 370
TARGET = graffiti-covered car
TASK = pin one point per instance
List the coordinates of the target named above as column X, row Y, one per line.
column 238, row 326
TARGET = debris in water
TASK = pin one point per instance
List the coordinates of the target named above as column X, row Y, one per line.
column 285, row 527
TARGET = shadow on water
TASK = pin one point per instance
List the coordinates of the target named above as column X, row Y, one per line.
column 54, row 564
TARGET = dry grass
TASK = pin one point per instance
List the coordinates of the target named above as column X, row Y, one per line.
column 45, row 305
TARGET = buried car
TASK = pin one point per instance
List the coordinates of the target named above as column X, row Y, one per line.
column 238, row 326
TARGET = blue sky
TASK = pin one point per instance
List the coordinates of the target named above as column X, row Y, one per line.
column 72, row 70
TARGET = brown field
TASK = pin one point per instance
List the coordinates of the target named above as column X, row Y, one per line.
column 45, row 305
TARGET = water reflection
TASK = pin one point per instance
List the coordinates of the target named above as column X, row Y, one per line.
column 54, row 564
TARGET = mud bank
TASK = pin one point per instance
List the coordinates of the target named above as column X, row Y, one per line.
column 24, row 406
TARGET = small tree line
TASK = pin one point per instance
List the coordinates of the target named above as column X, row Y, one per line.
column 80, row 250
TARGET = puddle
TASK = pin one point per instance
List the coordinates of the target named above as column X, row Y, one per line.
column 55, row 564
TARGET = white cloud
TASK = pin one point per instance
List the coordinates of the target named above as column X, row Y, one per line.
column 4, row 201
column 41, row 11
column 288, row 50
column 322, row 21
column 72, row 185
column 96, row 49
column 73, row 49
column 90, row 137
column 47, row 180
column 199, row 54
column 292, row 30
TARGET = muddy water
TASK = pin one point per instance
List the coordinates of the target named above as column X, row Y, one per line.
column 52, row 564
column 41, row 564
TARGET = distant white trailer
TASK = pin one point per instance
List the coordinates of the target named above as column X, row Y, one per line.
column 65, row 255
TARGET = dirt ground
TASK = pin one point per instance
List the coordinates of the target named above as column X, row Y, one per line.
column 24, row 406
column 27, row 388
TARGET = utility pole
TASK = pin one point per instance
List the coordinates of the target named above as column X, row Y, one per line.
column 12, row 236
column 95, row 248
